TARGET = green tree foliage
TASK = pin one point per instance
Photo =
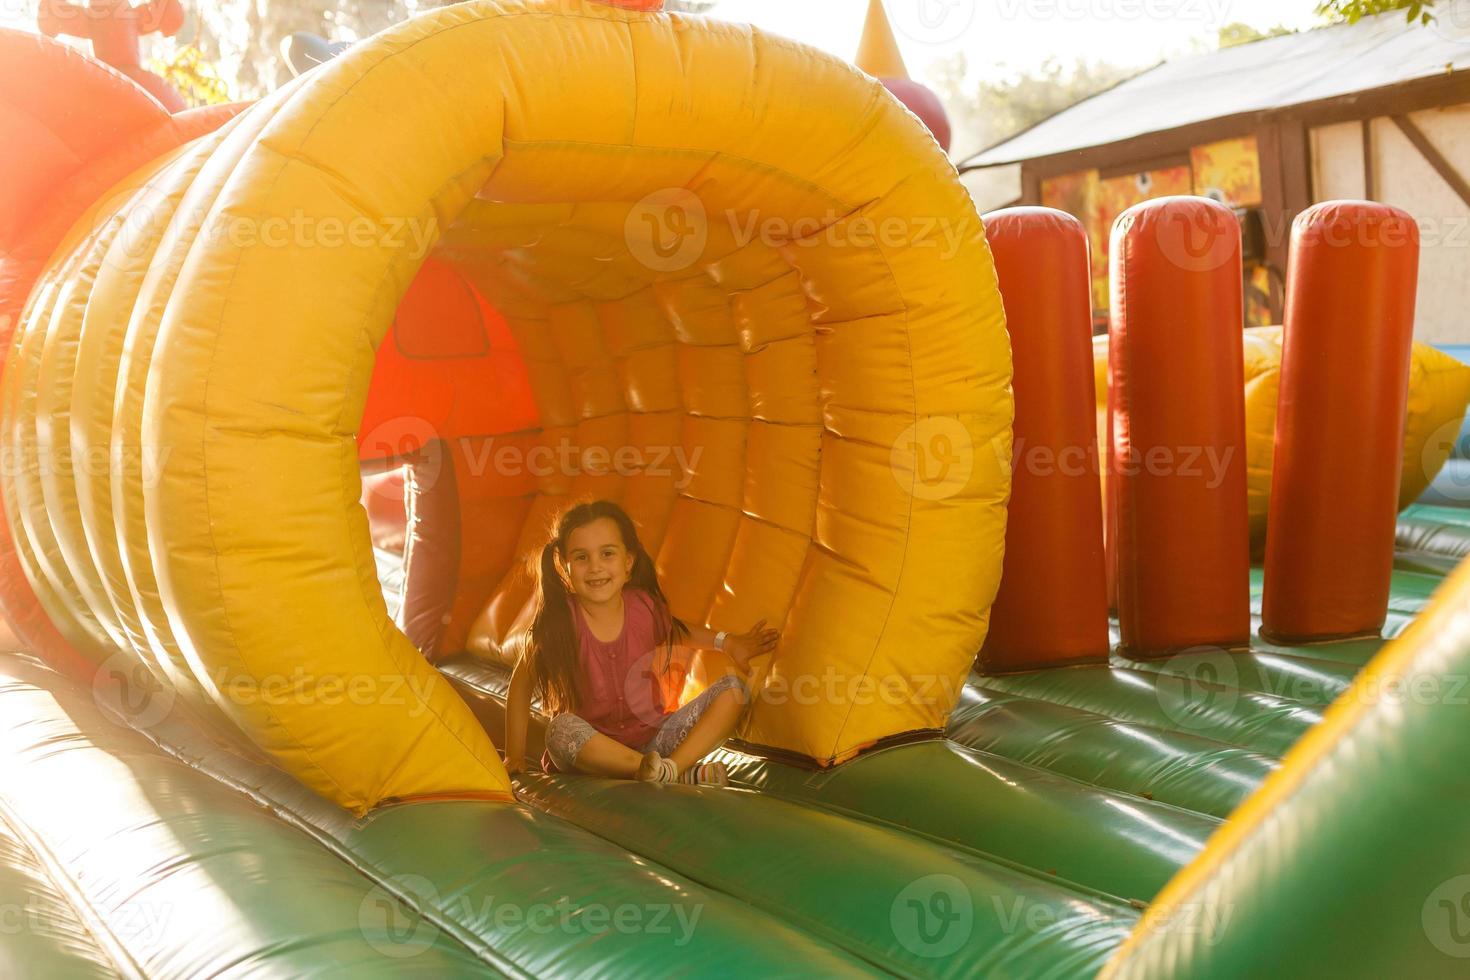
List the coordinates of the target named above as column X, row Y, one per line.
column 242, row 38
column 1238, row 33
column 191, row 75
column 986, row 112
column 1352, row 11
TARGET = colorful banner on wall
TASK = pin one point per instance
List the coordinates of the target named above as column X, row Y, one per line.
column 1228, row 171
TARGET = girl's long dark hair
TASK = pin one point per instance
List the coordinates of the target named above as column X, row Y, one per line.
column 554, row 642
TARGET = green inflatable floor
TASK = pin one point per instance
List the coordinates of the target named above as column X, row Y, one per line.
column 1024, row 842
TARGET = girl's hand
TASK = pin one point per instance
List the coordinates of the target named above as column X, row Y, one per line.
column 743, row 647
column 514, row 768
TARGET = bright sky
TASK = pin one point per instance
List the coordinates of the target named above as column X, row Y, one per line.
column 995, row 35
column 14, row 13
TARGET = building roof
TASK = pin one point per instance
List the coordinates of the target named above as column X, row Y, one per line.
column 1274, row 73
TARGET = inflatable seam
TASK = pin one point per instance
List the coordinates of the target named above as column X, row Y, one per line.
column 88, row 915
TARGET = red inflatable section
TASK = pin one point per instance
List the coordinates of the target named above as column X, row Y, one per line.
column 1339, row 427
column 448, row 368
column 1052, row 606
column 84, row 127
column 450, row 404
column 1179, row 541
column 383, row 497
column 922, row 102
column 114, row 27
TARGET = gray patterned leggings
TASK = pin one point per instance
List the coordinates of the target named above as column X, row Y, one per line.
column 567, row 734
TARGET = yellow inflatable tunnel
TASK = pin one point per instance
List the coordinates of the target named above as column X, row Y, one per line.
column 735, row 267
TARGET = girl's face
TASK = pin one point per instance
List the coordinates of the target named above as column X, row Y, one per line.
column 598, row 563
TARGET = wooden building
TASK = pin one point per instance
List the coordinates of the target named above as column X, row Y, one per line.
column 1378, row 110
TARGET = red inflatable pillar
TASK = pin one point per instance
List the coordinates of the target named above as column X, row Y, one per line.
column 1340, row 424
column 1052, row 606
column 1176, row 457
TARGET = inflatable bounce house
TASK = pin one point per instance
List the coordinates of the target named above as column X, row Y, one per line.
column 292, row 389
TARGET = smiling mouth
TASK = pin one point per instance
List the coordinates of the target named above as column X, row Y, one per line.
column 597, row 583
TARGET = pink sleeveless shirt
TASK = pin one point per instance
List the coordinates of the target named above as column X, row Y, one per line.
column 618, row 689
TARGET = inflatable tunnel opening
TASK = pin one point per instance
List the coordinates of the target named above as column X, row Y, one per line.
column 784, row 357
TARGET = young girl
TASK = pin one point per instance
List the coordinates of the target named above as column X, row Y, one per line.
column 601, row 644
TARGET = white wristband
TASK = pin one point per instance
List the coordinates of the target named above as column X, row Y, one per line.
column 720, row 640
